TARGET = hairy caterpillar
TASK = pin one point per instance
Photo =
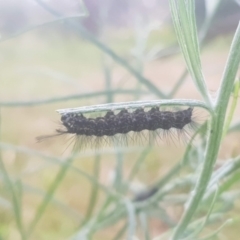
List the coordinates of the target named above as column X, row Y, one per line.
column 117, row 127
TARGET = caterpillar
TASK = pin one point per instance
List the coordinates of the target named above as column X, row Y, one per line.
column 94, row 131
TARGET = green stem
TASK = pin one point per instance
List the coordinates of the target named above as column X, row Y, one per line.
column 52, row 189
column 15, row 202
column 95, row 188
column 71, row 97
column 214, row 134
column 232, row 108
column 15, row 198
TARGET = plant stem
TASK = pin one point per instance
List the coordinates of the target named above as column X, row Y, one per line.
column 214, row 134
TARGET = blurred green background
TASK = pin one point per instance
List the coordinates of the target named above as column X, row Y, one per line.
column 53, row 63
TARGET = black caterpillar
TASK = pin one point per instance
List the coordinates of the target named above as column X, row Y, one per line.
column 95, row 129
column 117, row 126
column 124, row 122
